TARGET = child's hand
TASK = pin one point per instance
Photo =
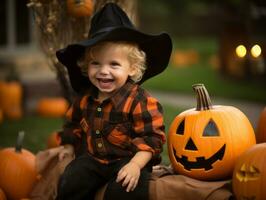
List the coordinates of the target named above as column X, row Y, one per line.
column 67, row 151
column 130, row 173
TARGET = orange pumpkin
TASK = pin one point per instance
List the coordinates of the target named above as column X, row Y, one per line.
column 2, row 195
column 249, row 178
column 80, row 8
column 53, row 140
column 184, row 58
column 52, row 107
column 1, row 115
column 205, row 141
column 17, row 170
column 11, row 99
column 261, row 129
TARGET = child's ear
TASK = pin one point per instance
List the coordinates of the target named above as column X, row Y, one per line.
column 133, row 70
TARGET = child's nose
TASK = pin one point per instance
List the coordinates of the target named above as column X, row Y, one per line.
column 104, row 69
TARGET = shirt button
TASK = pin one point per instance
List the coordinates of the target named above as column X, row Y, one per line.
column 100, row 145
column 97, row 132
column 99, row 109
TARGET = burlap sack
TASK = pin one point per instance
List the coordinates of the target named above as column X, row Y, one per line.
column 164, row 184
column 50, row 169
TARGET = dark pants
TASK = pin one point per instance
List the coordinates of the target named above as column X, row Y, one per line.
column 84, row 176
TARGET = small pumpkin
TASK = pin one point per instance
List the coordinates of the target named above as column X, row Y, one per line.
column 11, row 99
column 249, row 177
column 52, row 107
column 17, row 170
column 205, row 141
column 80, row 8
column 2, row 195
column 261, row 128
column 54, row 140
column 181, row 58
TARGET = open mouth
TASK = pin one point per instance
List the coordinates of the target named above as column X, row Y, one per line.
column 105, row 83
column 201, row 162
column 105, row 80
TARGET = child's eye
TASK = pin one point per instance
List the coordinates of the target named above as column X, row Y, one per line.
column 114, row 64
column 94, row 63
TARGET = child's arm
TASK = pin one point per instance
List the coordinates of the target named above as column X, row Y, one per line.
column 148, row 139
column 71, row 134
column 131, row 171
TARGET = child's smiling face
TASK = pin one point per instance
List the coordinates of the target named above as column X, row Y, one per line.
column 109, row 68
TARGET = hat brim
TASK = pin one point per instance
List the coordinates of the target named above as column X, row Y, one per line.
column 158, row 50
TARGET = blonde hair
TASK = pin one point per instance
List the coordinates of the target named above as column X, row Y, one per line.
column 136, row 57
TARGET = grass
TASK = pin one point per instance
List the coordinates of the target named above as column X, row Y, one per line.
column 37, row 130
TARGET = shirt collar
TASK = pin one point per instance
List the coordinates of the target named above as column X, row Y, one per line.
column 119, row 97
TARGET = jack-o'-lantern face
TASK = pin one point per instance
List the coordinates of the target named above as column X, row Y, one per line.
column 204, row 143
column 199, row 157
column 249, row 176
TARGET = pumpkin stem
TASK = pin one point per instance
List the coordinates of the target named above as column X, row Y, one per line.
column 20, row 138
column 203, row 97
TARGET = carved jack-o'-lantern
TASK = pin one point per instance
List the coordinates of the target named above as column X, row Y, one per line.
column 249, row 178
column 204, row 143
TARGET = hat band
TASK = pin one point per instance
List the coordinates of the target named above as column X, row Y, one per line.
column 101, row 31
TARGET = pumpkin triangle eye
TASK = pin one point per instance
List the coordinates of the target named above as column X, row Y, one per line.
column 191, row 145
column 181, row 128
column 211, row 129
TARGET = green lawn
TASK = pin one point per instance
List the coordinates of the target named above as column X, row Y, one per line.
column 36, row 129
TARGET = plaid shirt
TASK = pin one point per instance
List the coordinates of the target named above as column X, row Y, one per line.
column 129, row 121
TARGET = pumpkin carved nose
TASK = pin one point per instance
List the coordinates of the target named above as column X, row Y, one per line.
column 191, row 145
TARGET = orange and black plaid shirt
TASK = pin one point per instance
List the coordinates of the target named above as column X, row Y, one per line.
column 118, row 127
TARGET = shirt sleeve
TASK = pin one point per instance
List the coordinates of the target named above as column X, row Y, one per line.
column 71, row 133
column 149, row 126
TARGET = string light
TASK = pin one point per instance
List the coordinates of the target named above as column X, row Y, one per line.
column 255, row 51
column 241, row 51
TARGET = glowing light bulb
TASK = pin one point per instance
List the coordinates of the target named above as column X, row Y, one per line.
column 241, row 51
column 255, row 51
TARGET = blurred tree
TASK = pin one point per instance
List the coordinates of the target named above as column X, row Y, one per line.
column 57, row 28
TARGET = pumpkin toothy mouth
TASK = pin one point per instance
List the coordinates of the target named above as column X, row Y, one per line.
column 201, row 161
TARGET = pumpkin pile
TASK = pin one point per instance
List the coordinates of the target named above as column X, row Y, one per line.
column 17, row 171
column 204, row 142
